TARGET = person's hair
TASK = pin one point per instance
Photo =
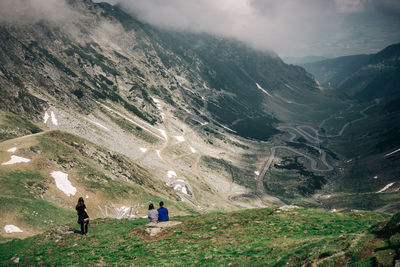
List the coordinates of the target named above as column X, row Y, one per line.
column 161, row 204
column 151, row 206
column 81, row 202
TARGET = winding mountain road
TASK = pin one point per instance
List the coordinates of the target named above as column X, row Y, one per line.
column 312, row 139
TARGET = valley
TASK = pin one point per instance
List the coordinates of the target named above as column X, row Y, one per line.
column 124, row 113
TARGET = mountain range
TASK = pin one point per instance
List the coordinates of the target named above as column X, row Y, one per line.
column 104, row 106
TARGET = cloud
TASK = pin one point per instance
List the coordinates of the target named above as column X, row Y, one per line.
column 264, row 24
column 31, row 11
column 289, row 27
column 381, row 6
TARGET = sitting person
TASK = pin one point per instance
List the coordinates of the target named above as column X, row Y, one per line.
column 152, row 213
column 162, row 213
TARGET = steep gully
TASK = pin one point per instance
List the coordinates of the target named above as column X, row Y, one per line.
column 312, row 139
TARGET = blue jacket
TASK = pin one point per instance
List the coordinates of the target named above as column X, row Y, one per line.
column 162, row 215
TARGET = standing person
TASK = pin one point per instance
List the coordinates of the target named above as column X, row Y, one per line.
column 152, row 213
column 162, row 213
column 83, row 217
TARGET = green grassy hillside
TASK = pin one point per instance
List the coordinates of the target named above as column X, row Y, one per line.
column 255, row 237
column 13, row 125
column 31, row 199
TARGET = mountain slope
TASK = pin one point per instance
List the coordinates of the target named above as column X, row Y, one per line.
column 332, row 72
column 370, row 173
column 30, row 192
column 365, row 77
column 142, row 102
column 209, row 123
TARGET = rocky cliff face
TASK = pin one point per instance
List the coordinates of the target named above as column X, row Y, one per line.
column 104, row 54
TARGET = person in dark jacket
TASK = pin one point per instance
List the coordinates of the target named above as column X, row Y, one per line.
column 83, row 217
column 162, row 213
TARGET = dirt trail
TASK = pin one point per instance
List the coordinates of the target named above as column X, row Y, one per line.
column 254, row 198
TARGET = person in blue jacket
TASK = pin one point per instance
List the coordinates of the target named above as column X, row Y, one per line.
column 162, row 213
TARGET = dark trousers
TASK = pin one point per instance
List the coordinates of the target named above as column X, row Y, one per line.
column 84, row 227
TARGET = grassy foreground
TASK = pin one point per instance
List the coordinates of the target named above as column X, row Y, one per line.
column 252, row 237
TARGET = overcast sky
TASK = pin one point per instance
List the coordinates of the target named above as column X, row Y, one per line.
column 288, row 27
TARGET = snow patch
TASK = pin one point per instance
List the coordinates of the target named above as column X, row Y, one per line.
column 181, row 188
column 391, row 153
column 63, row 183
column 184, row 190
column 262, row 89
column 162, row 115
column 16, row 159
column 385, row 188
column 180, row 138
column 143, row 149
column 12, row 229
column 12, row 150
column 171, row 174
column 201, row 123
column 257, row 173
column 192, row 149
column 100, row 125
column 158, row 105
column 288, row 86
column 163, row 133
column 53, row 119
column 227, row 128
column 159, row 153
column 177, row 187
column 122, row 212
column 46, row 117
column 123, row 209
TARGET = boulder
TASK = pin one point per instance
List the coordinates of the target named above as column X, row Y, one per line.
column 153, row 228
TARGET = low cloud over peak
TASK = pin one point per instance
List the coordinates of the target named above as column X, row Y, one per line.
column 31, row 11
column 289, row 27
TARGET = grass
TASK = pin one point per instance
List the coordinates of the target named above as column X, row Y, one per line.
column 13, row 125
column 366, row 201
column 30, row 199
column 20, row 197
column 255, row 237
column 37, row 213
